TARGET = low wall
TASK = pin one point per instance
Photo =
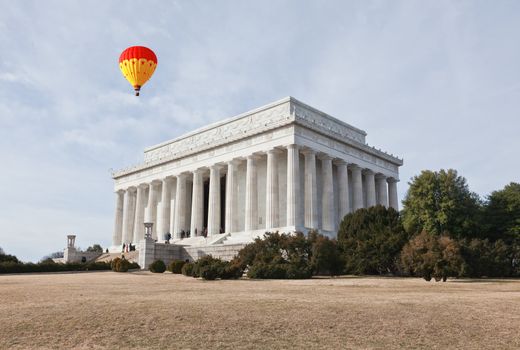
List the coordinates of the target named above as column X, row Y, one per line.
column 71, row 255
column 150, row 251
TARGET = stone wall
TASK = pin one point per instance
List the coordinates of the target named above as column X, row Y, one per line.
column 150, row 251
column 71, row 255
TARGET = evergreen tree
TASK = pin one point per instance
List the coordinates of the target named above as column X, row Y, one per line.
column 502, row 214
column 371, row 240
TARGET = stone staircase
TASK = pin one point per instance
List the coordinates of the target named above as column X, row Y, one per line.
column 132, row 256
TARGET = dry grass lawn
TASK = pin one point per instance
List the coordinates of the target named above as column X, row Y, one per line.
column 107, row 310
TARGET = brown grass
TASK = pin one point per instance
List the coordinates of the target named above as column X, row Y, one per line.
column 143, row 310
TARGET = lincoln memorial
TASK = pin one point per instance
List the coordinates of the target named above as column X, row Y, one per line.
column 282, row 167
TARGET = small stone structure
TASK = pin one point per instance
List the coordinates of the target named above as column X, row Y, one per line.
column 73, row 255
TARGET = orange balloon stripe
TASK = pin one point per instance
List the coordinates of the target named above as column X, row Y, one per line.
column 137, row 71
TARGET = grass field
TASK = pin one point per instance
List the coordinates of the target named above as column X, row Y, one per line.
column 142, row 310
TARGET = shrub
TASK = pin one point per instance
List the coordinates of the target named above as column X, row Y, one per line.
column 187, row 269
column 176, row 266
column 326, row 256
column 49, row 266
column 157, row 266
column 120, row 265
column 430, row 257
column 232, row 270
column 209, row 268
column 267, row 271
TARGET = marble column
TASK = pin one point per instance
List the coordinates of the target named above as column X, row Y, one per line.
column 139, row 213
column 151, row 210
column 128, row 215
column 163, row 217
column 357, row 188
column 180, row 206
column 271, row 191
column 370, row 188
column 197, row 204
column 382, row 192
column 230, row 225
column 310, row 190
column 344, row 205
column 293, row 186
column 327, row 199
column 117, row 236
column 214, row 201
column 392, row 193
column 251, row 218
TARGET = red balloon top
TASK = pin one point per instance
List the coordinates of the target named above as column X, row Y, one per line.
column 138, row 52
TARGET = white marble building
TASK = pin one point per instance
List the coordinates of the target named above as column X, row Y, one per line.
column 282, row 167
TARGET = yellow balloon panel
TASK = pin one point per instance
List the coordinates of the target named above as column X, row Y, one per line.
column 137, row 71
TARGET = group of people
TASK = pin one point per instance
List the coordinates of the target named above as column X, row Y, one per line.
column 187, row 234
column 128, row 248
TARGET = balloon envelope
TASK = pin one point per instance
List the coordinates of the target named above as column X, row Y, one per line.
column 137, row 63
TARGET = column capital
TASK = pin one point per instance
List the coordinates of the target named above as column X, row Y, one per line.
column 308, row 152
column 131, row 189
column 252, row 157
column 324, row 156
column 292, row 146
column 181, row 176
column 380, row 176
column 273, row 151
column 391, row 180
column 339, row 162
column 142, row 185
column 198, row 171
column 233, row 162
column 355, row 167
column 215, row 167
column 120, row 192
column 368, row 172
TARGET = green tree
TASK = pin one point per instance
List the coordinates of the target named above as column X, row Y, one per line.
column 371, row 240
column 502, row 214
column 439, row 202
column 95, row 248
column 7, row 258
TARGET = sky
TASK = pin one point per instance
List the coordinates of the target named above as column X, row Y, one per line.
column 434, row 82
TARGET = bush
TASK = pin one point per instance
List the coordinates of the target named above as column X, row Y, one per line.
column 50, row 266
column 120, row 265
column 430, row 257
column 157, row 266
column 277, row 256
column 187, row 269
column 176, row 266
column 326, row 256
column 232, row 270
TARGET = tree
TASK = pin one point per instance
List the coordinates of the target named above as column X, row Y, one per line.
column 95, row 248
column 55, row 255
column 371, row 240
column 502, row 214
column 431, row 256
column 439, row 202
column 7, row 258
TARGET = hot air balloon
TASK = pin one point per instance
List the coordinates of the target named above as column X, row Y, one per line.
column 137, row 63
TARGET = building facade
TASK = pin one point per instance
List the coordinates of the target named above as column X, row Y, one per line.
column 282, row 167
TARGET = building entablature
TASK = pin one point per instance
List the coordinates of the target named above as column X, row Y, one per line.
column 286, row 112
